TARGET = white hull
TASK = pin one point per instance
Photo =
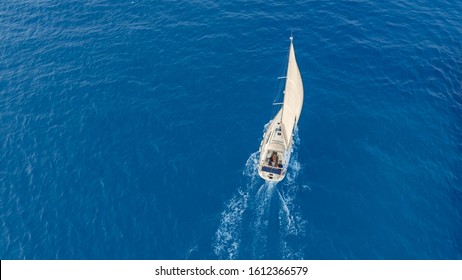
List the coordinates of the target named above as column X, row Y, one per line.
column 274, row 142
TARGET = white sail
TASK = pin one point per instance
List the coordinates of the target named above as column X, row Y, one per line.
column 293, row 97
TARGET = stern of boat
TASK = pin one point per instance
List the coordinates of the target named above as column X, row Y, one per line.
column 271, row 174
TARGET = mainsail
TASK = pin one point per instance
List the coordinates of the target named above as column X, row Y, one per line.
column 293, row 96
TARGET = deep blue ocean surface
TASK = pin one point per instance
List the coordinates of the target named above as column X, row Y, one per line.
column 130, row 129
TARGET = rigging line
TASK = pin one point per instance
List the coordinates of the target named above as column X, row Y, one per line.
column 280, row 85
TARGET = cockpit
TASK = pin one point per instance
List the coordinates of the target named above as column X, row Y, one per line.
column 274, row 160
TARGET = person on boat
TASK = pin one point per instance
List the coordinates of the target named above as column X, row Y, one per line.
column 273, row 161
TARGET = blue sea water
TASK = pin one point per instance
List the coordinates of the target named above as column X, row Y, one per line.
column 130, row 130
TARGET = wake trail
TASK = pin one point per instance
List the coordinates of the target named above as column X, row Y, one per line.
column 262, row 221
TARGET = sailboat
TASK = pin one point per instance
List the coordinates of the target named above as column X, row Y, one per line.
column 276, row 146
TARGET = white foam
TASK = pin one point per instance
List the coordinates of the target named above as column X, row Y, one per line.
column 227, row 236
column 256, row 200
